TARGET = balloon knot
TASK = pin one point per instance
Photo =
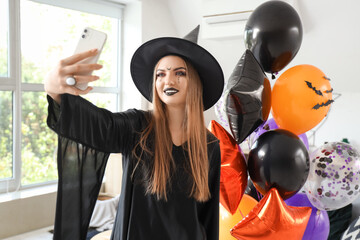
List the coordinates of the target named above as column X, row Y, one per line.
column 273, row 75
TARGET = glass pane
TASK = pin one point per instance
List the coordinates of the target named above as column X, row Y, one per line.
column 103, row 100
column 4, row 36
column 6, row 135
column 39, row 143
column 55, row 37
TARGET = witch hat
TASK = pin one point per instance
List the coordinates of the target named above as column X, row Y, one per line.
column 148, row 54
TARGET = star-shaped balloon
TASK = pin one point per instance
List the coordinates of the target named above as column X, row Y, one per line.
column 247, row 97
column 272, row 219
column 233, row 176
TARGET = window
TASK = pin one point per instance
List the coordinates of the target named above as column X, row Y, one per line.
column 47, row 34
column 4, row 34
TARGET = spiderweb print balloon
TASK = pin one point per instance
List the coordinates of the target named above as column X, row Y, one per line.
column 334, row 177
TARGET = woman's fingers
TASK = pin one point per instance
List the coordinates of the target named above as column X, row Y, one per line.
column 85, row 78
column 55, row 81
column 78, row 57
column 75, row 91
column 80, row 68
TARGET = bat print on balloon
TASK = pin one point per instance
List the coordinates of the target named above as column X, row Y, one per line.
column 301, row 98
column 319, row 92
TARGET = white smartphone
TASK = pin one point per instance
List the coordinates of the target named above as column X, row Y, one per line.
column 90, row 39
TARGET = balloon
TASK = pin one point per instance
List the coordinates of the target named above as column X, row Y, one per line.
column 247, row 97
column 318, row 227
column 334, row 177
column 270, row 124
column 301, row 98
column 252, row 191
column 228, row 221
column 220, row 112
column 305, row 140
column 278, row 159
column 272, row 219
column 233, row 176
column 273, row 33
column 353, row 231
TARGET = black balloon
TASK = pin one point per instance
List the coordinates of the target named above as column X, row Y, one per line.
column 273, row 33
column 252, row 191
column 278, row 159
column 247, row 97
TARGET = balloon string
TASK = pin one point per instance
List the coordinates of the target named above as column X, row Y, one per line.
column 318, row 212
column 317, row 216
column 241, row 214
column 260, row 196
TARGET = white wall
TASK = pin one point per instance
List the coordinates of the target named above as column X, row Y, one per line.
column 27, row 214
column 143, row 21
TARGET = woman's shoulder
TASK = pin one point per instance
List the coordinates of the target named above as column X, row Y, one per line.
column 211, row 139
column 213, row 144
column 213, row 150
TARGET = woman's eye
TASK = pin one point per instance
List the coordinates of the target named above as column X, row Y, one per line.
column 160, row 74
column 180, row 73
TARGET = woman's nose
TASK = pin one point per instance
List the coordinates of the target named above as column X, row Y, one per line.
column 169, row 79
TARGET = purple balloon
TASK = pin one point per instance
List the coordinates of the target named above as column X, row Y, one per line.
column 318, row 226
column 304, row 139
column 270, row 124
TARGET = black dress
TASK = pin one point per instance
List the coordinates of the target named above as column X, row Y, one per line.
column 87, row 135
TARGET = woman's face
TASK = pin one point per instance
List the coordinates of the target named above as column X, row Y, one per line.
column 172, row 81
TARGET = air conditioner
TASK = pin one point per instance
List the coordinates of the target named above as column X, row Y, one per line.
column 226, row 18
column 227, row 25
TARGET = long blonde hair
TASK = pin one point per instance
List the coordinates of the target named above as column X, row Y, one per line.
column 195, row 134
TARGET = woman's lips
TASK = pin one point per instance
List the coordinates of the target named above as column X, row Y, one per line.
column 170, row 91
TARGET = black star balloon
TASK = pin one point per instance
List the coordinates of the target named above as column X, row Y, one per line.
column 247, row 97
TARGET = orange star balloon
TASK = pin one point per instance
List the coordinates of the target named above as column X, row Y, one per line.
column 233, row 176
column 228, row 221
column 272, row 219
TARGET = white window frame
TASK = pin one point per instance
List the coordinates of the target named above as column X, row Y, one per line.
column 13, row 81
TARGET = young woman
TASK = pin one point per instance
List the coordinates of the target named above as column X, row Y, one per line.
column 171, row 163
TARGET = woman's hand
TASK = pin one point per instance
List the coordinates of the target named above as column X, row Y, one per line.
column 55, row 81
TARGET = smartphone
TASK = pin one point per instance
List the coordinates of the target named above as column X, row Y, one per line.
column 90, row 39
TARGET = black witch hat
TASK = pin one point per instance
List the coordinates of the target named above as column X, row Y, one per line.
column 147, row 55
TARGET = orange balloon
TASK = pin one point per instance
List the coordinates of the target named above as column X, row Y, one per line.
column 233, row 176
column 271, row 219
column 228, row 221
column 301, row 98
